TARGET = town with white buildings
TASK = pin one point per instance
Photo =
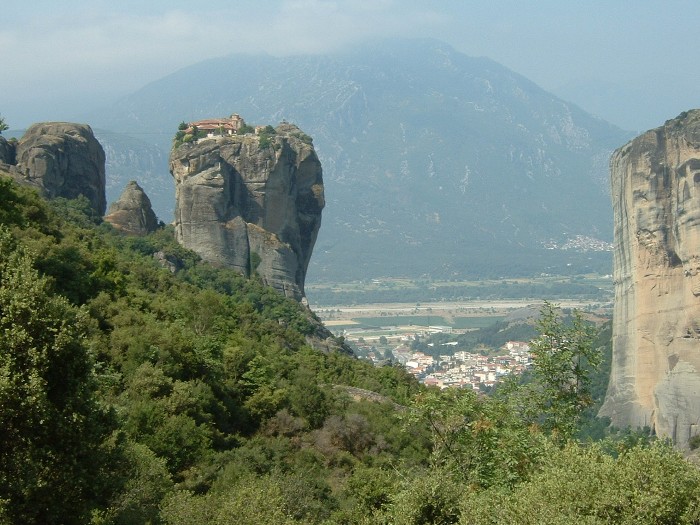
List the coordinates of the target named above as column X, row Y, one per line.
column 463, row 369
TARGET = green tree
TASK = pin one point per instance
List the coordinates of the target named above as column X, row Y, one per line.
column 254, row 263
column 22, row 206
column 148, row 482
column 3, row 125
column 563, row 355
column 431, row 498
column 53, row 427
column 480, row 440
column 583, row 484
column 254, row 499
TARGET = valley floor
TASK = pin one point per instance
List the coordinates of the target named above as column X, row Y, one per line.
column 401, row 332
column 458, row 316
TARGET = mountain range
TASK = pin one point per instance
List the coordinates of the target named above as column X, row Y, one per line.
column 436, row 164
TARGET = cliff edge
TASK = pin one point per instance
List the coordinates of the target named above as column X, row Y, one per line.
column 655, row 377
column 251, row 202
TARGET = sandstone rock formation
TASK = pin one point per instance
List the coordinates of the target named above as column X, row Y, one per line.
column 133, row 213
column 655, row 379
column 62, row 159
column 252, row 203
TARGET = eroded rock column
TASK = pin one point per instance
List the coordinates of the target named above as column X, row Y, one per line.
column 252, row 203
column 655, row 378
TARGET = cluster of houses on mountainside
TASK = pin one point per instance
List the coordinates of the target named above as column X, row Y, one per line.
column 464, row 369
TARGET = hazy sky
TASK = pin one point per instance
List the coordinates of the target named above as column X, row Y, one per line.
column 633, row 62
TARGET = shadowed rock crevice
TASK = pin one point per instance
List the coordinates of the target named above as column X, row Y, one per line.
column 8, row 151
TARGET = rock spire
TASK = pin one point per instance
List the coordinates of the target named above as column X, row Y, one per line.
column 655, row 378
column 251, row 202
column 133, row 213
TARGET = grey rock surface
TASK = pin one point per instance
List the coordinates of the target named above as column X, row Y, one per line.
column 251, row 203
column 655, row 377
column 62, row 159
column 7, row 151
column 132, row 212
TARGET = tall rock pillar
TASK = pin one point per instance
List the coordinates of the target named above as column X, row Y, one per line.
column 251, row 202
column 655, row 378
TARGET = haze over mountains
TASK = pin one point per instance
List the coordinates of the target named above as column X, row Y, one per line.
column 435, row 163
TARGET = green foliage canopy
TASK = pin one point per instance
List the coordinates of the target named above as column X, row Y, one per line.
column 564, row 355
column 131, row 394
column 53, row 423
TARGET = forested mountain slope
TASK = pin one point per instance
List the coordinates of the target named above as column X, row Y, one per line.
column 138, row 385
column 435, row 163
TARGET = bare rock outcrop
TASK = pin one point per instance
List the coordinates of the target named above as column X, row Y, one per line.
column 7, row 151
column 655, row 378
column 62, row 159
column 251, row 202
column 133, row 213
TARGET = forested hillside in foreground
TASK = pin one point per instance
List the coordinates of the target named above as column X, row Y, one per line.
column 134, row 391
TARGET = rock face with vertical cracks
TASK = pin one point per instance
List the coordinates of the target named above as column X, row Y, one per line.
column 655, row 378
column 132, row 213
column 62, row 159
column 252, row 203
